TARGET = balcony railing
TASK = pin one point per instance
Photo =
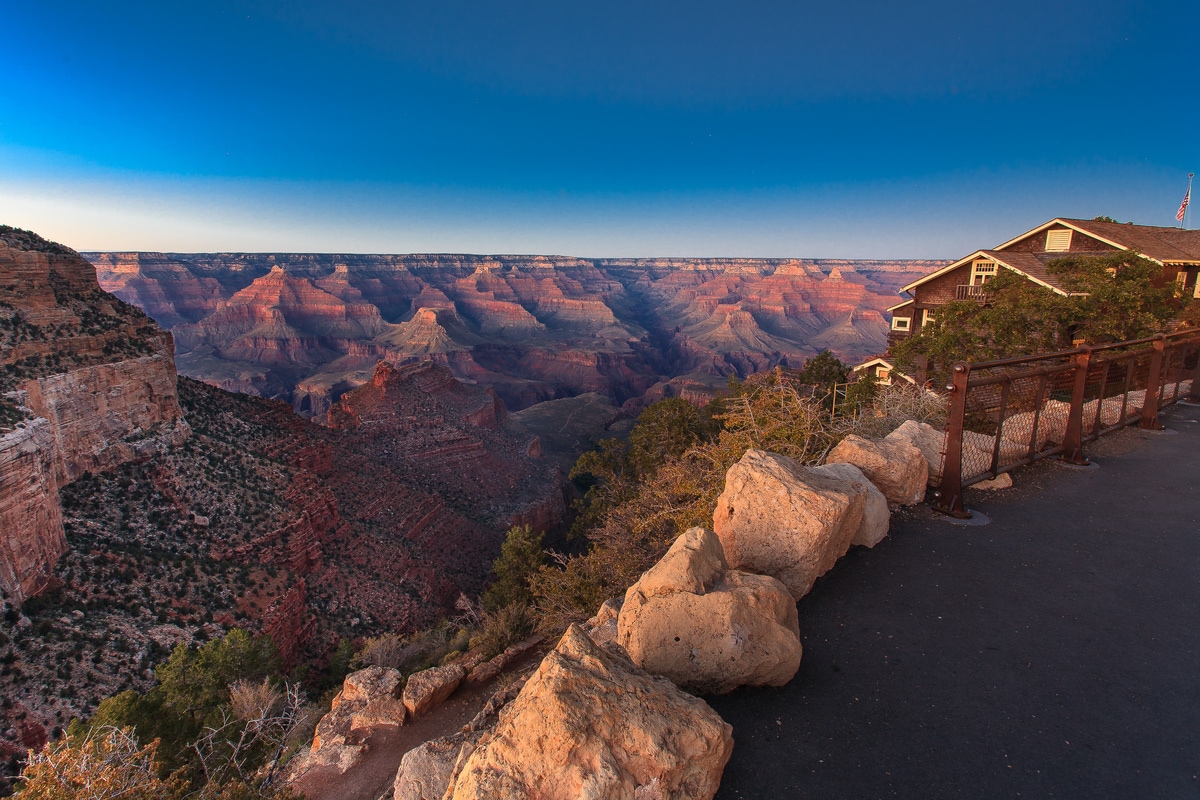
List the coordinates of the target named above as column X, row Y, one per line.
column 968, row 292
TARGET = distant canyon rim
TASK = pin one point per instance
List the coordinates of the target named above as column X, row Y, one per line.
column 306, row 328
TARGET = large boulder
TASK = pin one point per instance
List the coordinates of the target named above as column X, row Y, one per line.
column 877, row 517
column 368, row 704
column 706, row 627
column 426, row 771
column 591, row 724
column 926, row 438
column 896, row 466
column 428, row 688
column 778, row 518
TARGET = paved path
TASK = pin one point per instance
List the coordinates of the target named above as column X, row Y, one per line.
column 1052, row 653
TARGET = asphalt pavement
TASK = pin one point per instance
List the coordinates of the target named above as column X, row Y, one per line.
column 1054, row 652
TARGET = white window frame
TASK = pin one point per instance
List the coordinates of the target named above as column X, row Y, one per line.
column 906, row 326
column 1055, row 238
column 984, row 271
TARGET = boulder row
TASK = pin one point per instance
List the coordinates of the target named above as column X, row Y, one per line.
column 778, row 518
column 706, row 627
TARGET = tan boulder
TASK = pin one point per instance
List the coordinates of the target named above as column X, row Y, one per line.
column 877, row 517
column 781, row 519
column 708, row 628
column 367, row 704
column 428, row 688
column 602, row 628
column 591, row 724
column 896, row 466
column 426, row 771
column 926, row 438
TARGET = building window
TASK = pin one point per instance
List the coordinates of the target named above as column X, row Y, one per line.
column 1058, row 241
column 926, row 316
column 900, row 323
column 884, row 375
column 982, row 272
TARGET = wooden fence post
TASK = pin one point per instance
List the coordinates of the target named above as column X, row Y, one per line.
column 1073, row 440
column 1153, row 386
column 950, row 487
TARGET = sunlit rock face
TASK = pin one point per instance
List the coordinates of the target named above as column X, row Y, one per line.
column 95, row 380
column 307, row 328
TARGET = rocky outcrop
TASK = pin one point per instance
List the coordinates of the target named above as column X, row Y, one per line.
column 98, row 378
column 368, row 703
column 706, row 627
column 591, row 724
column 106, row 415
column 31, row 522
column 429, row 687
column 778, row 518
column 289, row 624
column 895, row 466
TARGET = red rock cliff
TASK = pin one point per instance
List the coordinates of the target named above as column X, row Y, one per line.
column 97, row 378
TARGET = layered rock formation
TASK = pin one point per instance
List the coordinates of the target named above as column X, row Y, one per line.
column 98, row 379
column 31, row 526
column 306, row 328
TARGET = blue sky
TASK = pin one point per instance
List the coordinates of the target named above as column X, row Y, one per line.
column 855, row 129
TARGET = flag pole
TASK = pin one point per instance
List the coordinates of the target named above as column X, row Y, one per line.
column 1183, row 222
column 1186, row 202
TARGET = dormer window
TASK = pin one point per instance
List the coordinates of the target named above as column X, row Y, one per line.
column 901, row 323
column 982, row 272
column 1058, row 241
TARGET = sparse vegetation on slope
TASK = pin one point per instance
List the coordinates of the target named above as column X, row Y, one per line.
column 669, row 476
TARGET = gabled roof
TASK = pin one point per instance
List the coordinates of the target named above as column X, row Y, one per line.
column 892, row 309
column 1156, row 243
column 1159, row 244
column 880, row 361
column 1030, row 265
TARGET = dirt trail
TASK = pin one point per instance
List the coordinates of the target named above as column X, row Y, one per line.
column 373, row 777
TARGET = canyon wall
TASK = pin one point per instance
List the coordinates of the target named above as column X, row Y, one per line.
column 94, row 379
column 307, row 328
column 31, row 524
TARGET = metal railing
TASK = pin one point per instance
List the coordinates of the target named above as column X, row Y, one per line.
column 1008, row 413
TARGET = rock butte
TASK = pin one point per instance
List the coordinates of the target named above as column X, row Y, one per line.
column 305, row 328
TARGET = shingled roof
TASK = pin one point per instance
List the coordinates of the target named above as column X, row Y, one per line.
column 1160, row 244
column 1164, row 245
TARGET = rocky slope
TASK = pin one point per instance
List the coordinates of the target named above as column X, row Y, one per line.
column 125, row 530
column 306, row 328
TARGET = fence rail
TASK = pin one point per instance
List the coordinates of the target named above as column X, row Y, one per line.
column 1008, row 413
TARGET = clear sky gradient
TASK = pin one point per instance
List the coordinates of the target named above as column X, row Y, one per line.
column 852, row 129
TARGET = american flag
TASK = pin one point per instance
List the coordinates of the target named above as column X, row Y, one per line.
column 1187, row 197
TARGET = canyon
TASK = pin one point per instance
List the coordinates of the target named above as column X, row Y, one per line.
column 140, row 510
column 306, row 328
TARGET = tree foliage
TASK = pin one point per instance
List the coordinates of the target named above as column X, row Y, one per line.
column 199, row 715
column 1110, row 298
column 521, row 556
column 824, row 370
